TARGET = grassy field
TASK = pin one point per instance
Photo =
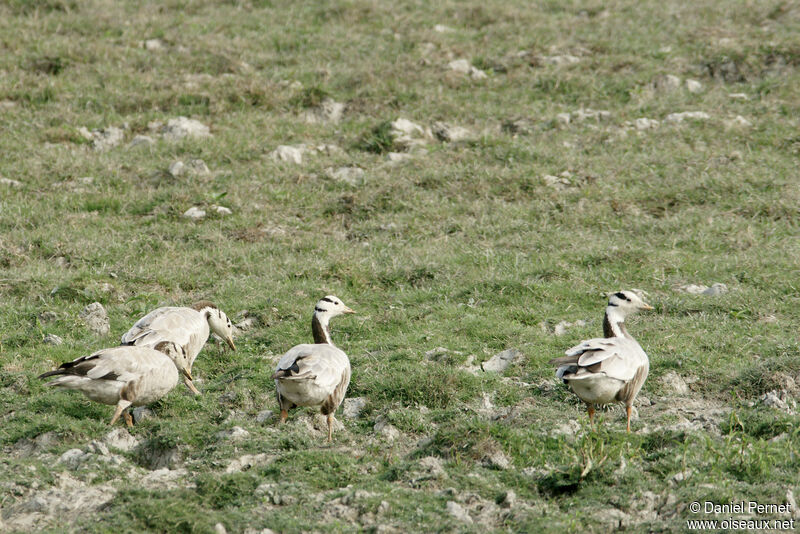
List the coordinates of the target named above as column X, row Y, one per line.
column 465, row 245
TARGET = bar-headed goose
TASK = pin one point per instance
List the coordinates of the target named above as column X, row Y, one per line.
column 188, row 327
column 614, row 368
column 125, row 376
column 318, row 374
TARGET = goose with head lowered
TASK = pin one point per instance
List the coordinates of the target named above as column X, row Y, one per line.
column 187, row 327
column 315, row 374
column 609, row 369
column 124, row 376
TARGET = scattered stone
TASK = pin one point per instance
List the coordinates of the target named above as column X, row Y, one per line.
column 738, row 120
column 236, row 433
column 177, row 169
column 96, row 318
column 219, row 528
column 141, row 413
column 497, row 459
column 716, row 289
column 561, row 328
column 779, row 400
column 9, row 182
column 290, row 154
column 463, row 66
column 458, row 512
column 243, row 463
column 329, row 111
column 673, row 383
column 350, row 175
column 441, row 28
column 397, row 157
column 265, row 416
column 678, row 118
column 182, row 127
column 48, row 317
column 221, row 210
column 693, row 86
column 611, row 517
column 154, row 45
column 508, row 499
column 665, row 83
column 583, row 115
column 646, row 124
column 790, row 500
column 73, row 458
column 320, row 424
column 353, row 407
column 385, row 429
column 681, row 476
column 433, row 466
column 558, row 60
column 567, row 428
column 121, row 439
column 141, row 140
column 197, row 167
column 500, row 361
column 52, row 339
column 557, row 182
column 450, row 134
column 406, row 134
column 244, row 320
column 103, row 139
column 194, row 213
column 158, row 458
column 738, row 96
column 438, row 354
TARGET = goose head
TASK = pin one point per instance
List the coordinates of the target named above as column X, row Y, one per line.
column 218, row 322
column 624, row 303
column 181, row 360
column 326, row 309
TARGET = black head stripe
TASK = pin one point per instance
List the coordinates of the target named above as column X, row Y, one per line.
column 320, row 310
column 612, row 303
column 326, row 299
column 622, row 296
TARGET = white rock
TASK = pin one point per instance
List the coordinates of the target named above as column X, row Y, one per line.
column 497, row 460
column 779, row 400
column 198, row 167
column 449, row 134
column 668, row 82
column 194, row 213
column 673, row 382
column 645, row 124
column 500, row 361
column 738, row 96
column 73, row 458
column 563, row 59
column 9, row 182
column 265, row 416
column 96, row 318
column 141, row 140
column 738, row 120
column 386, row 430
column 401, row 127
column 222, row 210
column 288, row 153
column 353, row 407
column 350, row 175
column 52, row 339
column 121, row 439
column 247, row 461
column 219, row 528
column 693, row 86
column 103, row 139
column 329, row 111
column 509, row 499
column 680, row 117
column 561, row 328
column 182, row 127
column 716, row 289
column 460, row 65
column 433, row 466
column 154, row 45
column 583, row 115
column 441, row 28
column 568, row 428
column 177, row 168
column 458, row 512
column 141, row 413
column 564, row 118
column 235, row 433
column 398, row 157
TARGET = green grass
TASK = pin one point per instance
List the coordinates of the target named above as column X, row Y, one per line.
column 463, row 246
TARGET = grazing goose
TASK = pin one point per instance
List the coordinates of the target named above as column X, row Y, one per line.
column 315, row 375
column 188, row 327
column 614, row 368
column 125, row 376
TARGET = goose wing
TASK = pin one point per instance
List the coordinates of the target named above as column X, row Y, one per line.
column 122, row 364
column 166, row 324
column 618, row 358
column 321, row 363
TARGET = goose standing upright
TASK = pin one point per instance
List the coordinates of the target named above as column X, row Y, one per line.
column 125, row 376
column 614, row 368
column 187, row 327
column 318, row 374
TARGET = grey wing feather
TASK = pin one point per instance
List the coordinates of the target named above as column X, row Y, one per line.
column 322, row 363
column 165, row 324
column 616, row 357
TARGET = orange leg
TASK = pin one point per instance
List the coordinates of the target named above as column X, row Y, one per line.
column 117, row 413
column 330, row 427
column 284, row 415
column 128, row 419
column 628, row 412
column 590, row 409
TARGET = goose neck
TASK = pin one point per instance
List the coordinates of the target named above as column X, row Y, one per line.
column 614, row 324
column 320, row 328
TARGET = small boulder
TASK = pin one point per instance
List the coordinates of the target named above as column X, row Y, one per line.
column 458, row 512
column 121, row 439
column 673, row 382
column 182, row 128
column 9, row 182
column 450, row 134
column 96, row 318
column 500, row 361
column 236, row 433
column 350, row 175
column 329, row 111
column 52, row 339
column 693, row 86
column 194, row 214
column 353, row 407
column 677, row 118
column 290, row 154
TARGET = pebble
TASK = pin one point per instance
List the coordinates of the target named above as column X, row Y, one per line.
column 96, row 318
column 350, row 175
column 141, row 140
column 673, row 382
column 559, row 60
column 329, row 111
column 182, row 127
column 10, row 183
column 449, row 134
column 221, row 210
column 353, row 407
column 693, row 86
column 458, row 512
column 680, row 117
column 235, row 433
column 103, row 139
column 194, row 213
column 52, row 339
column 290, row 154
column 501, row 361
